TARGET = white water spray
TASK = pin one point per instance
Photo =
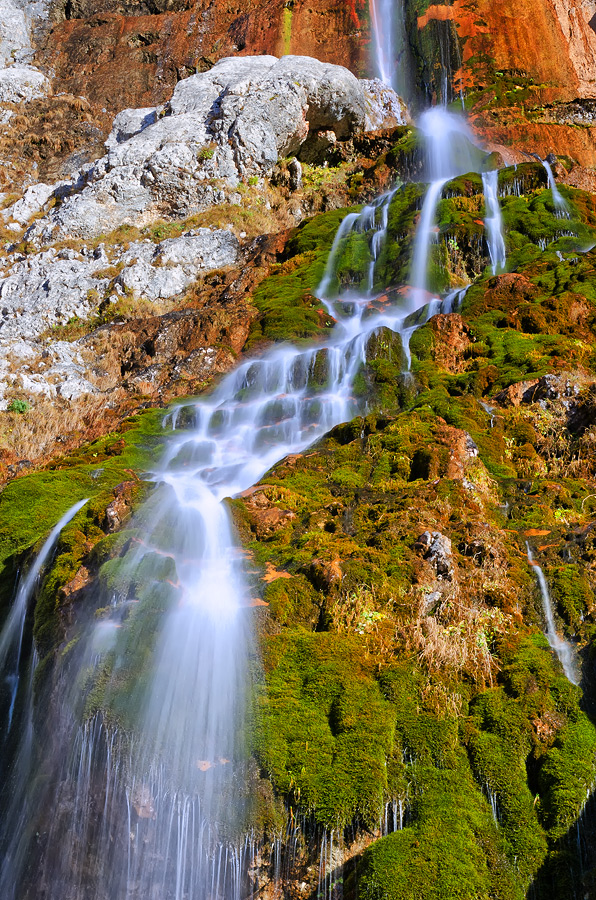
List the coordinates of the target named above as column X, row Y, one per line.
column 557, row 643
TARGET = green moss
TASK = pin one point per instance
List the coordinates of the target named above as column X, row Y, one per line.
column 287, row 307
column 326, row 729
column 452, row 849
column 31, row 505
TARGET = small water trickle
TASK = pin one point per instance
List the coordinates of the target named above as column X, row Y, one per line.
column 561, row 205
column 494, row 804
column 494, row 221
column 11, row 637
column 557, row 643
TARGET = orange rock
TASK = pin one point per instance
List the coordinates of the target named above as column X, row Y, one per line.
column 80, row 580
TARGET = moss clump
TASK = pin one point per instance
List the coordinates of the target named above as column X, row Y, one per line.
column 288, row 309
column 326, row 729
column 452, row 849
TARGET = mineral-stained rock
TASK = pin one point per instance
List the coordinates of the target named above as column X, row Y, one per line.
column 266, row 522
column 80, row 580
column 452, row 339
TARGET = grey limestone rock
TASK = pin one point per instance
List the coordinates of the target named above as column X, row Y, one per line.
column 232, row 122
column 436, row 549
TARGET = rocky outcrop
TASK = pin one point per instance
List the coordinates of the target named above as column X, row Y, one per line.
column 49, row 288
column 222, row 127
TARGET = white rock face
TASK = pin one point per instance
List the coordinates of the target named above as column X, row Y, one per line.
column 42, row 290
column 177, row 262
column 32, row 202
column 19, row 82
column 15, row 42
column 22, row 83
column 231, row 123
column 49, row 288
column 384, row 108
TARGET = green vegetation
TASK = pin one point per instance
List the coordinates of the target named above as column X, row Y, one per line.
column 386, row 677
column 18, row 406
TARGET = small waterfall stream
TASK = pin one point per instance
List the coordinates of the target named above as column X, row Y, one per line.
column 11, row 636
column 561, row 207
column 561, row 647
column 494, row 221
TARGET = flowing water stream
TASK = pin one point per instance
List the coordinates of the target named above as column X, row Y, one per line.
column 171, row 805
column 561, row 647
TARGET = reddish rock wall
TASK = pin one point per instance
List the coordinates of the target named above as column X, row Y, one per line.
column 518, row 59
column 135, row 60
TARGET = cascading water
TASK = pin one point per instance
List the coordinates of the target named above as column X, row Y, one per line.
column 11, row 637
column 494, row 221
column 171, row 812
column 561, row 647
column 17, row 761
column 160, row 815
column 449, row 152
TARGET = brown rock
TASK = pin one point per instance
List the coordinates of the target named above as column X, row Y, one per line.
column 80, row 580
column 120, row 508
column 123, row 54
column 515, row 393
column 452, row 339
column 266, row 522
column 326, row 575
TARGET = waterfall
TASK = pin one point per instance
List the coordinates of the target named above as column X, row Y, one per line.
column 561, row 207
column 493, row 221
column 390, row 45
column 450, row 151
column 11, row 636
column 425, row 236
column 156, row 808
column 561, row 647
